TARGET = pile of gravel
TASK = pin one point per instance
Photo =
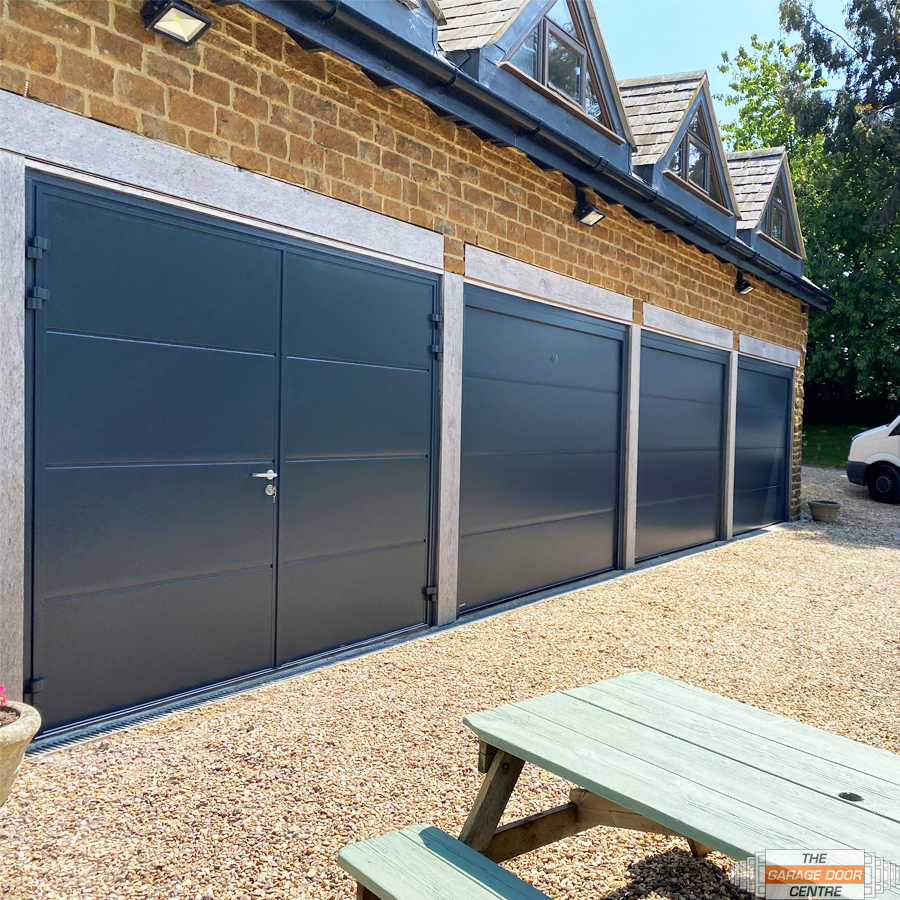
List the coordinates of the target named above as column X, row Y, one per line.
column 253, row 796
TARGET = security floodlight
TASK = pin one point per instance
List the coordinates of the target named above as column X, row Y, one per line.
column 176, row 20
column 585, row 212
column 741, row 285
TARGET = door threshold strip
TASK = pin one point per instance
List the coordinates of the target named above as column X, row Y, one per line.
column 84, row 732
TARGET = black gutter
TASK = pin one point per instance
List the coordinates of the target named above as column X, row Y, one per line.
column 336, row 27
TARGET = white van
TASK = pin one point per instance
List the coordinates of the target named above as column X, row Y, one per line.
column 875, row 461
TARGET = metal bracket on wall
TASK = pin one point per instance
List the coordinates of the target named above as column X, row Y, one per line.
column 35, row 300
column 32, row 687
column 36, row 248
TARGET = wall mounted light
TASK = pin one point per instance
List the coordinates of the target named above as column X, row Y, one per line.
column 741, row 285
column 176, row 20
column 585, row 212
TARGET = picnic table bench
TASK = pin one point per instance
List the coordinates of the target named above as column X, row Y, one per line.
column 651, row 754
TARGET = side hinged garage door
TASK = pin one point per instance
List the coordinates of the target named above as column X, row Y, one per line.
column 541, row 437
column 681, row 438
column 175, row 360
column 762, row 444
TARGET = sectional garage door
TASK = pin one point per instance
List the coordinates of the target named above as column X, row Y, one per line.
column 680, row 445
column 762, row 439
column 541, row 433
column 174, row 359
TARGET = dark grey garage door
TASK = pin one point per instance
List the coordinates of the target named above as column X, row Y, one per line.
column 680, row 445
column 356, row 433
column 174, row 358
column 541, row 434
column 762, row 433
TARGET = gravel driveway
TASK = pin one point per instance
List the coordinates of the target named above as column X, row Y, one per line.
column 253, row 796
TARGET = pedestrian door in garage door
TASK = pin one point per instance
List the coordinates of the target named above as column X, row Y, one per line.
column 681, row 439
column 762, row 443
column 175, row 359
column 541, row 437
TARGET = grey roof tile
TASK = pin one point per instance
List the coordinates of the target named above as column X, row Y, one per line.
column 656, row 106
column 474, row 23
column 753, row 172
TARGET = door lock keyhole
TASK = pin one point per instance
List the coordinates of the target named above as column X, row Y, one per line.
column 271, row 491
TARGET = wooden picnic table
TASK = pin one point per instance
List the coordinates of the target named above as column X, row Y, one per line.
column 652, row 754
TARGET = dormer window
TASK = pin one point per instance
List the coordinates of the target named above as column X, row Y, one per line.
column 776, row 221
column 554, row 53
column 692, row 160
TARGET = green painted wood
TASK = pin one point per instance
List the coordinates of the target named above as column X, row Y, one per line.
column 677, row 802
column 627, row 739
column 777, row 729
column 424, row 863
column 796, row 805
column 752, row 748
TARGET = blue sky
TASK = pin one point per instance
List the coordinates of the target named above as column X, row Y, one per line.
column 656, row 37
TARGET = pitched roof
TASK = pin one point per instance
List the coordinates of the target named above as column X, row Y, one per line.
column 753, row 173
column 475, row 23
column 656, row 107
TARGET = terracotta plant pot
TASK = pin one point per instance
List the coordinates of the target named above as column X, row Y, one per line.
column 824, row 510
column 14, row 740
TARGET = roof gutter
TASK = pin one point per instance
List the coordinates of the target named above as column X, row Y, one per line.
column 336, row 26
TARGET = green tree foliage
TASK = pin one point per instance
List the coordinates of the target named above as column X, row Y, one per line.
column 844, row 149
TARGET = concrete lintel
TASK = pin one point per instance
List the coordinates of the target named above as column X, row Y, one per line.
column 659, row 319
column 12, row 422
column 502, row 272
column 54, row 136
column 451, row 450
column 769, row 351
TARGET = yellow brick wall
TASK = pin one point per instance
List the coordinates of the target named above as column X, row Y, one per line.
column 247, row 94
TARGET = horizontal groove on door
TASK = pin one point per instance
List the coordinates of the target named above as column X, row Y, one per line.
column 315, row 459
column 297, row 562
column 656, row 396
column 584, row 515
column 596, row 452
column 167, row 639
column 126, row 339
column 155, row 584
column 155, row 464
column 351, row 362
column 513, row 561
column 652, row 503
column 475, row 376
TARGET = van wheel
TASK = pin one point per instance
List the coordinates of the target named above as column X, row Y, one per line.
column 884, row 483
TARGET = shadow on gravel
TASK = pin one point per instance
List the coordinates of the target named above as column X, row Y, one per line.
column 677, row 875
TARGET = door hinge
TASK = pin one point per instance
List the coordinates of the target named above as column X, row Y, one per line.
column 36, row 248
column 430, row 593
column 32, row 686
column 35, row 300
column 438, row 320
column 436, row 349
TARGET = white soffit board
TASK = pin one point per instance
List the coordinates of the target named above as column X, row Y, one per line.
column 766, row 350
column 513, row 275
column 665, row 320
column 46, row 134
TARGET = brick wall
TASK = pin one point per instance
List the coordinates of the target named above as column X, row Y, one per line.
column 248, row 95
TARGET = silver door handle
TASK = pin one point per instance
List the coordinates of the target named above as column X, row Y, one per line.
column 270, row 475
